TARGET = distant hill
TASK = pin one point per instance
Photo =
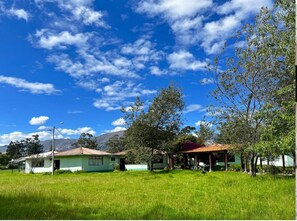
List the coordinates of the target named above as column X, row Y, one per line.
column 66, row 144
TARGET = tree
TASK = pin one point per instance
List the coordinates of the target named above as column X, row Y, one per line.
column 248, row 91
column 15, row 149
column 153, row 131
column 205, row 132
column 32, row 145
column 87, row 140
column 116, row 144
column 4, row 159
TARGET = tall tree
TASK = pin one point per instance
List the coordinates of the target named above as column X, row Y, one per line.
column 248, row 91
column 15, row 149
column 205, row 132
column 87, row 140
column 153, row 131
column 116, row 144
column 33, row 145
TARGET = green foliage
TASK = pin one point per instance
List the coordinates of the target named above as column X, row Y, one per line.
column 4, row 159
column 29, row 146
column 154, row 130
column 116, row 144
column 205, row 132
column 63, row 171
column 87, row 140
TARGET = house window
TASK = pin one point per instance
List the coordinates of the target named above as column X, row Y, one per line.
column 37, row 163
column 231, row 158
column 112, row 159
column 95, row 161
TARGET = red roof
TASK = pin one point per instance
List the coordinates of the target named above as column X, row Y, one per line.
column 210, row 148
column 82, row 151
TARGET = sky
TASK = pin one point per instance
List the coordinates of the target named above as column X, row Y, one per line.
column 79, row 61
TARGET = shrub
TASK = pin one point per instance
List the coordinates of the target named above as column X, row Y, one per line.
column 271, row 169
column 79, row 171
column 63, row 171
column 235, row 167
column 116, row 166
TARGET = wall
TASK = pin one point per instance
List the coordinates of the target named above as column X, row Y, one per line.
column 73, row 163
column 289, row 161
column 107, row 165
column 47, row 167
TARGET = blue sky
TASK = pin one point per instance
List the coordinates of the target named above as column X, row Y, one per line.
column 79, row 61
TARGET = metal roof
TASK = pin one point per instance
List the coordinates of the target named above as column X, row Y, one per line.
column 83, row 151
column 210, row 148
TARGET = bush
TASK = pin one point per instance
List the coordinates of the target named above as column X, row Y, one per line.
column 271, row 169
column 235, row 167
column 116, row 166
column 63, row 171
column 79, row 171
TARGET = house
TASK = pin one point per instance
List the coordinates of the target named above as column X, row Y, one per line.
column 74, row 160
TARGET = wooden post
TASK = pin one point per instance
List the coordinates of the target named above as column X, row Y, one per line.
column 184, row 159
column 210, row 162
column 196, row 160
column 226, row 160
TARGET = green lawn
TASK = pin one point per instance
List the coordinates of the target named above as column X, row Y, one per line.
column 144, row 195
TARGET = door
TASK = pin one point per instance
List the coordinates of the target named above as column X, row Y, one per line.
column 122, row 164
column 56, row 164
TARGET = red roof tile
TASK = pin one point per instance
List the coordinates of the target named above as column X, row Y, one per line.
column 82, row 151
column 210, row 148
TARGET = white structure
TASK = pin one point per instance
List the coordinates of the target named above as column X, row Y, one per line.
column 74, row 160
column 289, row 161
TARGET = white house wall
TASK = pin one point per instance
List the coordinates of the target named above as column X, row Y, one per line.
column 289, row 161
column 47, row 167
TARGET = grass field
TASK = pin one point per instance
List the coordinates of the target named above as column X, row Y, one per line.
column 144, row 195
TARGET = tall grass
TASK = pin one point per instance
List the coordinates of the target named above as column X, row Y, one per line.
column 145, row 195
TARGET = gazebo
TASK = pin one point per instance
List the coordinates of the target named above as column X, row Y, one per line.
column 209, row 152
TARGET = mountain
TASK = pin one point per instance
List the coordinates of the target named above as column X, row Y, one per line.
column 66, row 144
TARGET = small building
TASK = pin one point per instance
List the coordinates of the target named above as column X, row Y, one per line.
column 77, row 159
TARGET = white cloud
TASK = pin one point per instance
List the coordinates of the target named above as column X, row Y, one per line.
column 154, row 70
column 200, row 122
column 75, row 112
column 182, row 16
column 193, row 107
column 117, row 94
column 184, row 60
column 19, row 13
column 38, row 120
column 77, row 131
column 119, row 122
column 116, row 129
column 172, row 9
column 44, row 128
column 49, row 40
column 205, row 81
column 33, row 87
column 5, row 139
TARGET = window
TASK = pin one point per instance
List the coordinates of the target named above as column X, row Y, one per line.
column 112, row 159
column 95, row 161
column 37, row 163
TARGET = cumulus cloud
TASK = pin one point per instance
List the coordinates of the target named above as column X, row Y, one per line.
column 200, row 122
column 205, row 81
column 77, row 131
column 117, row 94
column 5, row 139
column 38, row 120
column 19, row 13
column 119, row 122
column 193, row 107
column 116, row 129
column 33, row 87
column 44, row 128
column 48, row 39
column 184, row 60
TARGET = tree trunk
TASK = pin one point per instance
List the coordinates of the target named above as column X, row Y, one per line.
column 268, row 162
column 245, row 166
column 284, row 163
column 152, row 163
column 261, row 163
column 241, row 162
column 255, row 166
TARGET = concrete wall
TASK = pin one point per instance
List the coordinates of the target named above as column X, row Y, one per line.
column 47, row 166
column 289, row 161
column 106, row 165
column 73, row 163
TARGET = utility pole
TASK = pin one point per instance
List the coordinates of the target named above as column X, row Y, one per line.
column 53, row 150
